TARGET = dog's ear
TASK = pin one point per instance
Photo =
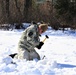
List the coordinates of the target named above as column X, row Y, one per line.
column 32, row 22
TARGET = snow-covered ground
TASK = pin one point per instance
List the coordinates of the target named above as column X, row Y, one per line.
column 59, row 51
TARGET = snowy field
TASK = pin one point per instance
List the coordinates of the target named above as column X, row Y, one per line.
column 59, row 51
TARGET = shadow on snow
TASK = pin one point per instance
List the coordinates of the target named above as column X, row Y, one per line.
column 59, row 65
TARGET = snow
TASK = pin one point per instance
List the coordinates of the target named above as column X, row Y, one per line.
column 59, row 51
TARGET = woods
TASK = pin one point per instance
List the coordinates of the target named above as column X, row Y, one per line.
column 57, row 13
column 19, row 11
column 66, row 12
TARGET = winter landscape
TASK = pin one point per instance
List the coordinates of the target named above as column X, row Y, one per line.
column 59, row 51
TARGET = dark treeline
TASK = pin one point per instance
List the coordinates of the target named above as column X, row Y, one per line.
column 66, row 13
column 19, row 11
column 58, row 13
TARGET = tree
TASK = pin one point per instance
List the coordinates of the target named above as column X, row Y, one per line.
column 3, row 8
column 65, row 11
column 27, row 5
column 7, row 10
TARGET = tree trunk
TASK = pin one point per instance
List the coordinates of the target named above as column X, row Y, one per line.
column 18, row 8
column 7, row 11
column 27, row 5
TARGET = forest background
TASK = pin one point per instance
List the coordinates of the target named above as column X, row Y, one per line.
column 59, row 14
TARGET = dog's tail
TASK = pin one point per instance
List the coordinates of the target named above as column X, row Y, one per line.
column 13, row 55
